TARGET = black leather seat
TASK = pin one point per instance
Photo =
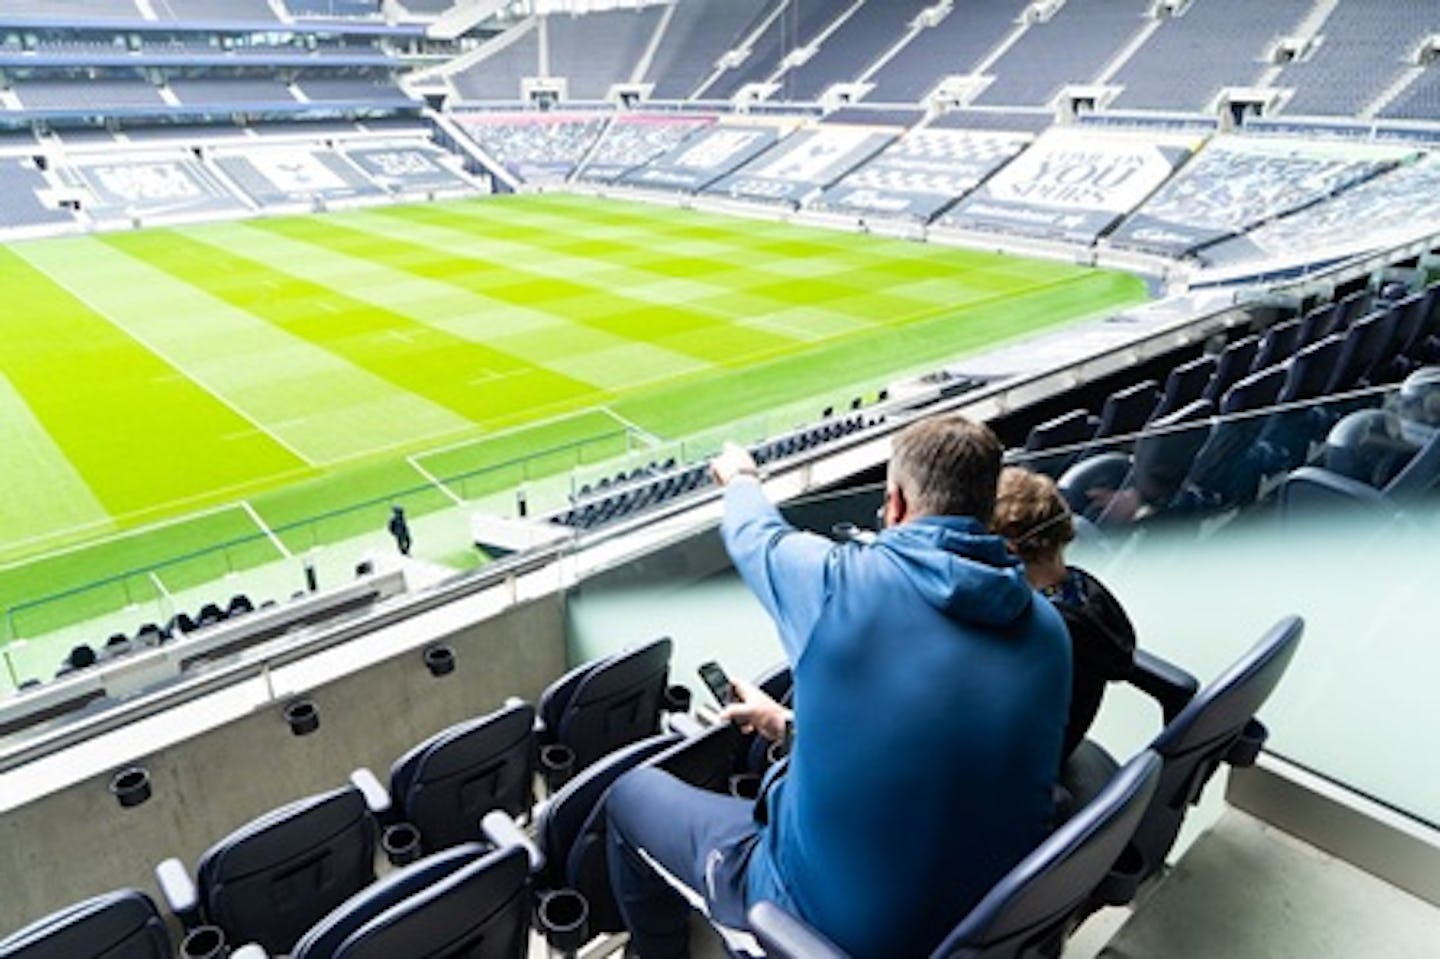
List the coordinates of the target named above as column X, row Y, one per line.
column 117, row 925
column 446, row 785
column 275, row 877
column 462, row 903
column 603, row 705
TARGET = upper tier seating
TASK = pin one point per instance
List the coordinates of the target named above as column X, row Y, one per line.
column 1072, row 47
column 19, row 203
column 956, row 44
column 498, row 76
column 77, row 9
column 799, row 24
column 697, row 36
column 858, row 42
column 1220, row 42
column 1361, row 50
column 259, row 10
column 1420, row 101
column 597, row 50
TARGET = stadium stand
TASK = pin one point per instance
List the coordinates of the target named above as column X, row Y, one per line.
column 286, row 177
column 1358, row 52
column 694, row 40
column 867, row 33
column 173, row 186
column 921, row 173
column 536, row 146
column 798, row 25
column 1223, row 43
column 803, row 164
column 598, row 50
column 334, row 9
column 1073, row 46
column 80, row 9
column 705, row 158
column 956, row 45
column 1236, row 183
column 199, row 11
column 1420, row 100
column 1010, row 121
column 21, row 185
column 232, row 92
column 408, row 168
column 498, row 76
column 87, row 94
column 632, row 140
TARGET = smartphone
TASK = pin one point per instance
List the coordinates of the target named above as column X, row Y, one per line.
column 717, row 682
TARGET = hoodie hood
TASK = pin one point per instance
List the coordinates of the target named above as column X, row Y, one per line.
column 960, row 569
column 1101, row 633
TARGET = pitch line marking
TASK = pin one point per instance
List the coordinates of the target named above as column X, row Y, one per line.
column 433, row 480
column 265, row 528
column 177, row 366
column 646, row 437
column 165, row 593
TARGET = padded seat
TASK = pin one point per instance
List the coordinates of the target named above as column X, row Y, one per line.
column 446, row 784
column 117, row 925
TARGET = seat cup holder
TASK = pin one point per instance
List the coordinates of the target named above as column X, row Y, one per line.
column 131, row 786
column 401, row 844
column 204, row 942
column 557, row 765
column 303, row 716
column 745, row 786
column 563, row 918
column 678, row 698
column 440, row 660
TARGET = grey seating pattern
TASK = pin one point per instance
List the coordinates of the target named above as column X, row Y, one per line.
column 1361, row 50
column 1072, row 47
column 869, row 32
column 798, row 26
column 956, row 44
column 598, row 49
column 697, row 36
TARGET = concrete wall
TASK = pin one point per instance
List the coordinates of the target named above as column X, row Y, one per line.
column 78, row 842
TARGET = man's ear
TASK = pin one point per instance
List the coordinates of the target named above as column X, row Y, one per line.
column 898, row 508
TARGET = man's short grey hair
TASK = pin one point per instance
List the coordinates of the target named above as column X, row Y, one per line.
column 948, row 465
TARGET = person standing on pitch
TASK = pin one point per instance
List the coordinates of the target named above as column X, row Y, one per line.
column 400, row 529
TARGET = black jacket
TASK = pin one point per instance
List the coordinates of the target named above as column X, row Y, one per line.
column 1103, row 642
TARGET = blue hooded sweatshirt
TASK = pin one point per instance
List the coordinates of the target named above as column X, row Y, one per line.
column 931, row 694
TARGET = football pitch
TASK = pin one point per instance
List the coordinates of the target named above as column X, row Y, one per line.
column 167, row 390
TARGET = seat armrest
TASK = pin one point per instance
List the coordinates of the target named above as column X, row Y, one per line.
column 1164, row 682
column 685, row 724
column 179, row 891
column 249, row 951
column 377, row 797
column 787, row 937
column 504, row 831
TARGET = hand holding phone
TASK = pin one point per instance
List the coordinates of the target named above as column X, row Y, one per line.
column 717, row 682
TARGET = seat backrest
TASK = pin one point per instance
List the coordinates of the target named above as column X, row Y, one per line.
column 1317, row 324
column 570, row 829
column 275, row 877
column 1067, row 430
column 1411, row 313
column 615, row 702
column 447, row 784
column 1310, row 370
column 463, row 903
column 1185, row 384
column 1030, row 907
column 1125, row 411
column 1366, row 345
column 1194, row 744
column 1277, row 344
column 1233, row 365
column 117, row 925
column 1163, row 456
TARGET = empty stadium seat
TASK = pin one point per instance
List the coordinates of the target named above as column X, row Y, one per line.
column 1288, row 433
column 1366, row 347
column 117, row 925
column 1068, row 430
column 1227, row 469
column 1218, row 725
column 1277, row 344
column 602, row 705
column 272, row 879
column 1234, row 364
column 1030, row 910
column 446, row 785
column 1125, row 411
column 463, row 902
column 1185, row 384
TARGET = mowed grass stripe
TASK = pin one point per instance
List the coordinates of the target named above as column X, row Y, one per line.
column 321, row 407
column 531, row 277
column 138, row 430
column 545, row 339
column 43, row 492
column 484, row 385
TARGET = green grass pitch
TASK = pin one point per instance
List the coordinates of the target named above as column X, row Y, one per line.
column 165, row 390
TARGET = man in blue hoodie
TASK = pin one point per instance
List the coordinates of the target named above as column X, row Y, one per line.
column 931, row 691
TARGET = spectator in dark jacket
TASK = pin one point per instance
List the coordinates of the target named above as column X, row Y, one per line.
column 1034, row 519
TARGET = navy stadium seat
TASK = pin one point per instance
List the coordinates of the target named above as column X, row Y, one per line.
column 1234, row 364
column 1031, row 909
column 1287, row 434
column 1066, row 431
column 1277, row 344
column 605, row 704
column 1125, row 411
column 446, row 785
column 1227, row 469
column 272, row 879
column 1367, row 345
column 1185, row 384
column 463, row 903
column 116, row 925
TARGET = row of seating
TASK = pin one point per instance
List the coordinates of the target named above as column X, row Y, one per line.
column 150, row 635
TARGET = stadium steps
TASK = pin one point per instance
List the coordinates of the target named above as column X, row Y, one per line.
column 786, row 64
column 745, row 47
column 1129, row 50
column 642, row 66
column 1393, row 92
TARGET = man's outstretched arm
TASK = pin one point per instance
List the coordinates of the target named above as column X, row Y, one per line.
column 785, row 568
